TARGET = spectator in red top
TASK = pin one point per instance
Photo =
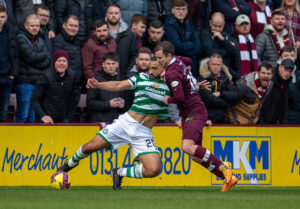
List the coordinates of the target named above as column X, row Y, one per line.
column 97, row 45
column 260, row 16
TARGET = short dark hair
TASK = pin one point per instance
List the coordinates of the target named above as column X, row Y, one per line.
column 286, row 49
column 278, row 12
column 135, row 19
column 100, row 23
column 144, row 50
column 265, row 65
column 113, row 5
column 41, row 6
column 2, row 9
column 71, row 17
column 179, row 3
column 167, row 48
column 156, row 24
column 110, row 55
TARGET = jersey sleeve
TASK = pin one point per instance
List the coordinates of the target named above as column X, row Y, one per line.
column 176, row 88
column 133, row 81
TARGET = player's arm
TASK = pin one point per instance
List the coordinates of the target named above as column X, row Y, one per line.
column 177, row 91
column 112, row 86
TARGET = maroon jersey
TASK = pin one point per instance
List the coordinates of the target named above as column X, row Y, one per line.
column 184, row 88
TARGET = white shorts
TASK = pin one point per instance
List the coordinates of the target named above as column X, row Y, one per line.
column 126, row 130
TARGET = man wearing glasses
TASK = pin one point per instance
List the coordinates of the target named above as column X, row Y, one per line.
column 43, row 13
column 181, row 33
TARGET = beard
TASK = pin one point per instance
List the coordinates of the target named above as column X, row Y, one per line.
column 113, row 23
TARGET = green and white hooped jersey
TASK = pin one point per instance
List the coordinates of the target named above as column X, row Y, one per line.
column 148, row 96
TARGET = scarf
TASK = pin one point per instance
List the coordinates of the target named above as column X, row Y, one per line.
column 245, row 55
column 261, row 90
column 286, row 41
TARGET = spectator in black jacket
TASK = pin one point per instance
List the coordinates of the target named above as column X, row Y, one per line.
column 128, row 47
column 9, row 61
column 43, row 12
column 214, row 40
column 87, row 11
column 275, row 104
column 68, row 40
column 222, row 93
column 293, row 116
column 56, row 92
column 34, row 59
column 155, row 35
column 23, row 8
column 105, row 106
column 8, row 4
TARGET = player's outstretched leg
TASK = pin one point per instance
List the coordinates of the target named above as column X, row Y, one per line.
column 149, row 167
column 84, row 151
column 207, row 159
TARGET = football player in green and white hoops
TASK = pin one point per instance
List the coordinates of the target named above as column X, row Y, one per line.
column 133, row 127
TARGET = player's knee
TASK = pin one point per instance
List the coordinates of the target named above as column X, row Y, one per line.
column 186, row 148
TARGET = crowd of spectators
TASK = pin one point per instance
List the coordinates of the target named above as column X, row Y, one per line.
column 246, row 49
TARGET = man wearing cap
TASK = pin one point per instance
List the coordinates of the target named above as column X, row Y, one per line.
column 56, row 92
column 275, row 104
column 245, row 42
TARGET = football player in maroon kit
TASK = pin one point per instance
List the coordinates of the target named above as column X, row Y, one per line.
column 185, row 91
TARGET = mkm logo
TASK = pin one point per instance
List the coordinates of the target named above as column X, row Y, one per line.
column 250, row 157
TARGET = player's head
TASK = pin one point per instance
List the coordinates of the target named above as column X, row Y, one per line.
column 164, row 52
column 215, row 64
column 265, row 73
column 143, row 58
column 155, row 69
column 110, row 63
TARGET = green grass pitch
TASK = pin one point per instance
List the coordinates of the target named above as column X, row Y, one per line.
column 150, row 197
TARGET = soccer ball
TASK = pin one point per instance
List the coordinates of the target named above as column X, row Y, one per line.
column 60, row 180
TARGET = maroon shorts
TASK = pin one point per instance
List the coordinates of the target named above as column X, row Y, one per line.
column 192, row 127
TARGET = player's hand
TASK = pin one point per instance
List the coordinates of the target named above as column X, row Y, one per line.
column 166, row 100
column 204, row 85
column 163, row 76
column 208, row 123
column 91, row 83
column 47, row 119
column 179, row 124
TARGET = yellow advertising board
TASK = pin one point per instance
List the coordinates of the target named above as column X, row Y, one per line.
column 29, row 155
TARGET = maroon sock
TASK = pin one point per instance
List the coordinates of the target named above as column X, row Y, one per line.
column 211, row 162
